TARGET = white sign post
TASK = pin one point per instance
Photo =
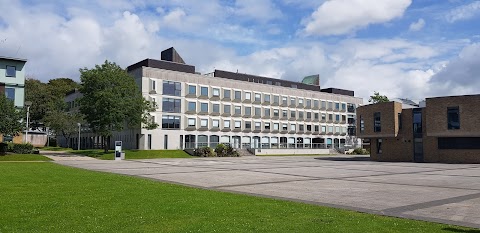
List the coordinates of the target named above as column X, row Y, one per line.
column 119, row 155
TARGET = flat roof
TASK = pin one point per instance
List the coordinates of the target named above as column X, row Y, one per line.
column 13, row 59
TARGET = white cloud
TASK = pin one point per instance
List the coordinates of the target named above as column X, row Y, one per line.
column 460, row 76
column 464, row 12
column 346, row 16
column 417, row 26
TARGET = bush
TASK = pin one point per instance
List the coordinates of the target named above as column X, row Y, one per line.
column 231, row 152
column 24, row 148
column 220, row 150
column 10, row 146
column 360, row 151
column 3, row 148
column 204, row 152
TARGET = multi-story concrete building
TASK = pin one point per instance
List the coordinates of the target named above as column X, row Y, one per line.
column 243, row 110
column 12, row 83
column 447, row 129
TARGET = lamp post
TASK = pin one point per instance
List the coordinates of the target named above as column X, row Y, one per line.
column 79, row 135
column 27, row 104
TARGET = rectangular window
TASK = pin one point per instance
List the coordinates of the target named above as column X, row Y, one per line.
column 191, row 122
column 330, row 129
column 258, row 97
column 344, row 107
column 192, row 106
column 315, row 103
column 459, row 143
column 377, row 125
column 330, row 117
column 293, row 114
column 284, row 113
column 337, row 129
column 379, row 145
column 284, row 127
column 266, row 98
column 267, row 126
column 300, row 114
column 344, row 118
column 172, row 88
column 248, row 124
column 238, row 95
column 226, row 124
column 216, row 92
column 248, row 96
column 10, row 93
column 324, row 104
column 192, row 90
column 317, row 128
column 330, row 105
column 275, row 113
column 226, row 94
column 216, row 123
column 258, row 125
column 309, row 103
column 337, row 117
column 276, row 126
column 204, row 123
column 238, row 124
column 300, row 101
column 171, row 105
column 258, row 111
column 248, row 111
column 204, row 91
column 170, row 122
column 238, row 110
column 266, row 112
column 301, row 128
column 453, row 115
column 399, row 121
column 203, row 107
column 309, row 115
column 11, row 71
column 154, row 85
column 284, row 100
column 417, row 122
column 276, row 99
column 293, row 127
column 324, row 117
column 226, row 108
column 292, row 101
column 362, row 125
column 216, row 108
column 324, row 129
column 337, row 106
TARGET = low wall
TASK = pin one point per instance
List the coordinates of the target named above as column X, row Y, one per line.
column 292, row 151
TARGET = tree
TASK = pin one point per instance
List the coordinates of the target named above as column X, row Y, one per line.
column 63, row 123
column 10, row 117
column 112, row 101
column 377, row 98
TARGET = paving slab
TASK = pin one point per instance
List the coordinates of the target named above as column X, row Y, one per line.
column 446, row 193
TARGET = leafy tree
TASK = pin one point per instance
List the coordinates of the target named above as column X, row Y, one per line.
column 10, row 117
column 47, row 97
column 63, row 123
column 377, row 98
column 112, row 101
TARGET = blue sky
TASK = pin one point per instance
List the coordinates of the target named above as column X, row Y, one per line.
column 402, row 48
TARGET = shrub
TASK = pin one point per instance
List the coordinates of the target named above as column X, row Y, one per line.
column 360, row 151
column 220, row 150
column 3, row 148
column 231, row 152
column 10, row 146
column 24, row 148
column 204, row 152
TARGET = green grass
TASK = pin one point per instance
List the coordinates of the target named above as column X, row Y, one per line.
column 135, row 154
column 23, row 157
column 52, row 148
column 46, row 197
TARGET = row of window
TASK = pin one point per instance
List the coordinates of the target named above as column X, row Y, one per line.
column 175, row 88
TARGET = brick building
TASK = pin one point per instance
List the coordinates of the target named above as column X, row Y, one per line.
column 446, row 130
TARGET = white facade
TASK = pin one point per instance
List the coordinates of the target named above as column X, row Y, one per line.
column 259, row 115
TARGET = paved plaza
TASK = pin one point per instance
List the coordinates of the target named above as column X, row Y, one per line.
column 447, row 193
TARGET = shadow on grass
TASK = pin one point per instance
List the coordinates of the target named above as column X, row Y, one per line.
column 460, row 230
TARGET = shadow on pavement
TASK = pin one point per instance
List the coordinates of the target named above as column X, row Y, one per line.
column 362, row 158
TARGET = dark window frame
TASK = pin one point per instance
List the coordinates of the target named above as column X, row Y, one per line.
column 377, row 122
column 9, row 73
column 453, row 118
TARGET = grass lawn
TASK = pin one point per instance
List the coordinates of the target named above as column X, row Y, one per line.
column 135, row 154
column 298, row 155
column 56, row 148
column 46, row 197
column 23, row 157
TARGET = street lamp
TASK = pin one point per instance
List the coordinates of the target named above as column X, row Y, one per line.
column 27, row 104
column 79, row 135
